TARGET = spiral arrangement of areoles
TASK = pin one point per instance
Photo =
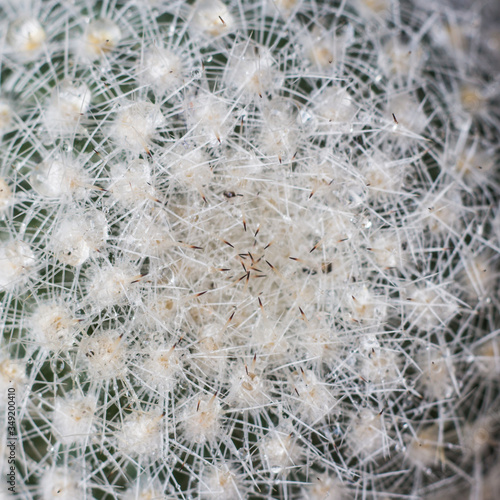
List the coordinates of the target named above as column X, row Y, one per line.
column 250, row 250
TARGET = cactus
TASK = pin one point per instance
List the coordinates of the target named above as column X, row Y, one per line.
column 250, row 249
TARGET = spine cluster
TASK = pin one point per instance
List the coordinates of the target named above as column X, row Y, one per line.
column 250, row 249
